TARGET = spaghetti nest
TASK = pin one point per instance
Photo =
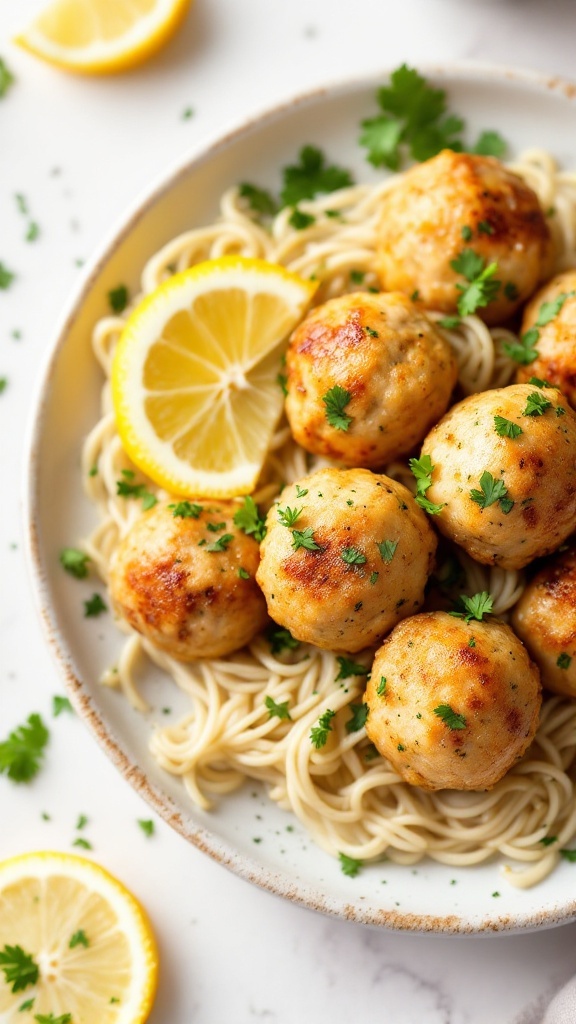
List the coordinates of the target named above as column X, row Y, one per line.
column 345, row 794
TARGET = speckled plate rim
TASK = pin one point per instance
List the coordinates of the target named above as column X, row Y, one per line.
column 224, row 853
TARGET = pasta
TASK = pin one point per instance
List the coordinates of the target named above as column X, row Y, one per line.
column 345, row 794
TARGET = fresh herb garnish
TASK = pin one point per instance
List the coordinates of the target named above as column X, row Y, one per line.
column 371, row 332
column 248, row 519
column 549, row 310
column 22, row 753
column 523, row 350
column 82, row 821
column 18, row 967
column 506, row 428
column 349, row 865
column 548, row 840
column 281, row 639
column 215, row 527
column 381, row 688
column 301, row 492
column 42, row 1018
column 75, row 562
column 569, row 855
column 564, row 660
column 350, row 668
column 482, row 286
column 304, row 539
column 422, row 469
column 288, row 516
column 352, row 556
column 358, row 719
column 319, row 733
column 282, row 382
column 387, row 549
column 536, row 404
column 147, row 826
column 94, row 606
column 243, row 573
column 490, row 143
column 450, row 323
column 466, row 233
column 492, row 490
column 258, row 199
column 118, row 298
column 6, row 277
column 32, row 232
column 373, row 577
column 510, row 291
column 300, row 220
column 60, row 704
column 6, row 78
column 450, row 717
column 311, row 176
column 485, row 228
column 221, row 544
column 277, row 710
column 79, row 939
column 125, row 488
column 475, row 607
column 82, row 843
column 336, row 400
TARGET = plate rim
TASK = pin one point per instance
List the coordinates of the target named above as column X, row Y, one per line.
column 218, row 849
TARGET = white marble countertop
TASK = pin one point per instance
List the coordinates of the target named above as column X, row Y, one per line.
column 80, row 150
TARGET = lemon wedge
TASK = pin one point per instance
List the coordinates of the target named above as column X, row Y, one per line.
column 195, row 374
column 102, row 36
column 74, row 944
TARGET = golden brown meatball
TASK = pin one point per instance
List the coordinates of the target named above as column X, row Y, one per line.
column 394, row 370
column 458, row 201
column 452, row 705
column 352, row 564
column 545, row 619
column 556, row 341
column 504, row 469
column 187, row 582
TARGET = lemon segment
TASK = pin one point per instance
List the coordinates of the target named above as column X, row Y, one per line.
column 88, row 936
column 102, row 36
column 195, row 374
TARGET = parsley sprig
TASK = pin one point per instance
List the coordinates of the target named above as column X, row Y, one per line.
column 536, row 404
column 311, row 176
column 126, row 488
column 349, row 865
column 352, row 556
column 75, row 562
column 350, row 668
column 277, row 710
column 288, row 516
column 281, row 639
column 358, row 718
column 492, row 490
column 523, row 351
column 482, row 286
column 185, row 510
column 248, row 519
column 475, row 607
column 319, row 733
column 506, row 428
column 450, row 717
column 422, row 469
column 22, row 753
column 304, row 539
column 335, row 401
column 18, row 967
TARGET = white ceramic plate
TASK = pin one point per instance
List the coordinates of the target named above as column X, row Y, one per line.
column 528, row 111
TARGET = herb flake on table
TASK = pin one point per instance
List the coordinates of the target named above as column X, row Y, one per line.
column 6, row 277
column 22, row 753
column 60, row 704
column 147, row 826
column 94, row 606
column 6, row 78
column 349, row 865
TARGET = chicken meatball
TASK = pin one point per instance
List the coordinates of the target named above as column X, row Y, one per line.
column 184, row 577
column 454, row 202
column 504, row 474
column 452, row 704
column 346, row 556
column 552, row 314
column 368, row 375
column 545, row 619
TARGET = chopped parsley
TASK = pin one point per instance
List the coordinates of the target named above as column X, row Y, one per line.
column 350, row 668
column 492, row 490
column 319, row 733
column 304, row 539
column 82, row 821
column 22, row 753
column 482, row 286
column 485, row 228
column 549, row 310
column 387, row 549
column 282, row 382
column 490, row 143
column 27, row 1005
column 78, row 939
column 371, row 332
column 126, row 488
column 221, row 544
column 536, row 404
column 18, row 967
column 94, row 606
column 147, row 826
column 60, row 704
column 548, row 840
column 311, row 176
column 373, row 577
column 540, row 383
column 75, row 562
column 381, row 688
column 258, row 199
column 300, row 220
column 475, row 607
column 32, row 232
column 422, row 469
column 450, row 717
column 510, row 291
column 277, row 710
column 288, row 516
column 42, row 1018
column 450, row 323
column 349, row 865
column 243, row 573
column 6, row 78
column 281, row 639
column 563, row 660
column 352, row 556
column 6, row 277
column 358, row 718
column 336, row 400
column 3, row 384
column 301, row 492
column 185, row 510
column 523, row 351
column 466, row 232
column 357, row 276
column 118, row 298
column 82, row 843
column 248, row 519
column 216, row 527
column 506, row 428
column 569, row 855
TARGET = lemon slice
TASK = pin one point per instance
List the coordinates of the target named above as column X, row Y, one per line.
column 85, row 933
column 102, row 36
column 195, row 374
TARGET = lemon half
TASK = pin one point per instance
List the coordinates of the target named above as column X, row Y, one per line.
column 102, row 36
column 195, row 374
column 86, row 933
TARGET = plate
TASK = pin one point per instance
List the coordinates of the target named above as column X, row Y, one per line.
column 247, row 833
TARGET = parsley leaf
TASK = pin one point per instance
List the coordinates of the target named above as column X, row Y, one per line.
column 450, row 323
column 288, row 516
column 221, row 544
column 258, row 199
column 60, row 704
column 186, row 510
column 147, row 826
column 282, row 382
column 75, row 562
column 27, row 1005
column 118, row 298
column 506, row 428
column 350, row 668
column 301, row 492
column 523, row 350
column 304, row 539
column 94, row 606
column 21, row 754
column 536, row 404
column 382, row 136
column 42, row 1018
column 336, row 400
column 387, row 549
column 248, row 519
column 78, row 939
column 491, row 490
column 18, row 967
column 540, row 383
column 243, row 573
column 490, row 143
column 358, row 719
column 319, row 733
column 6, row 78
column 126, row 489
column 569, row 855
column 352, row 557
column 548, row 310
column 474, row 607
column 3, row 384
column 6, row 277
column 482, row 287
column 311, row 176
column 84, row 844
column 349, row 865
column 450, row 717
column 563, row 660
column 429, row 506
column 422, row 469
column 300, row 220
column 278, row 710
column 281, row 639
column 381, row 688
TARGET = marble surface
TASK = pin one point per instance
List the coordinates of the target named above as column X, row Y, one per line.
column 80, row 151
